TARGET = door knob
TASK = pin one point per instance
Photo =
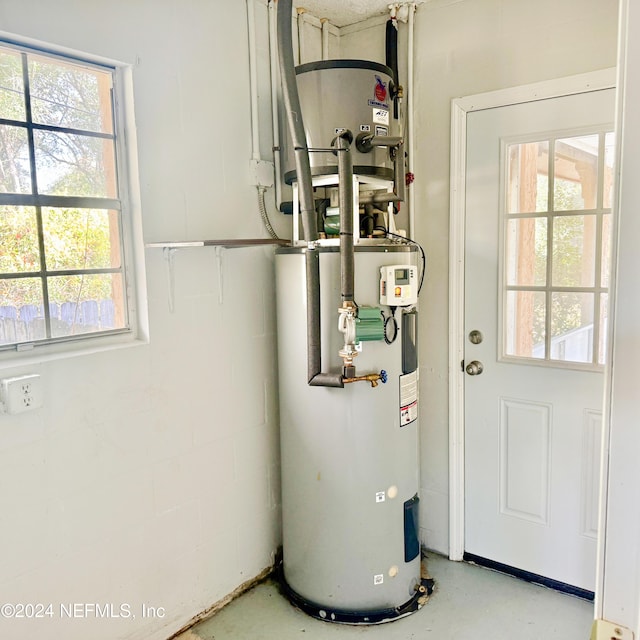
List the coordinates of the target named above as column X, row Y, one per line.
column 474, row 368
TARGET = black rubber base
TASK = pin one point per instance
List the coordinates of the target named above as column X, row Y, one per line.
column 343, row 616
column 527, row 576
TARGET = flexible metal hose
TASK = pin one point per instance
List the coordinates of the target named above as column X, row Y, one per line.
column 264, row 215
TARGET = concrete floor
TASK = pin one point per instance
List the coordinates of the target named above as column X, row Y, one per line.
column 468, row 602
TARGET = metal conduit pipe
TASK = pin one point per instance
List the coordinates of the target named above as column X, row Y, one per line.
column 348, row 311
column 314, row 365
column 365, row 142
column 399, row 185
column 399, row 176
column 391, row 54
column 315, row 376
column 345, row 198
column 294, row 119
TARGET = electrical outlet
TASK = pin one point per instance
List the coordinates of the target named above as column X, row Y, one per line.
column 20, row 394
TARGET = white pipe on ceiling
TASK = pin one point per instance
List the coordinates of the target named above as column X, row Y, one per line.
column 301, row 46
column 275, row 84
column 325, row 38
column 253, row 79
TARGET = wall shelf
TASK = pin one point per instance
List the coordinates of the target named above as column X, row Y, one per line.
column 228, row 244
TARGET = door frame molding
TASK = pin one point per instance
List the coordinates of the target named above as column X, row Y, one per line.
column 460, row 108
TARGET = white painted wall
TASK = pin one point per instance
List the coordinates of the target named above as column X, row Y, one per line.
column 465, row 47
column 151, row 473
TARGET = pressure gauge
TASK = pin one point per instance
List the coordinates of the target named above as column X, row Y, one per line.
column 398, row 285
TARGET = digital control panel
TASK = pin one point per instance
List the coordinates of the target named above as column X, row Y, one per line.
column 398, row 285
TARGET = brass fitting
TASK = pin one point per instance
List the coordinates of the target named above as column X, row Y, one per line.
column 373, row 378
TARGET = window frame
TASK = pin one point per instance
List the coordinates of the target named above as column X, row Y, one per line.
column 126, row 203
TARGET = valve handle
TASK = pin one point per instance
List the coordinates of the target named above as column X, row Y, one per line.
column 383, row 376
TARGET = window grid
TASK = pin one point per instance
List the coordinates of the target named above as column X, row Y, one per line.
column 38, row 201
column 549, row 289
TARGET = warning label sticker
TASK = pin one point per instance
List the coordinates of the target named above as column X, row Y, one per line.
column 380, row 116
column 408, row 398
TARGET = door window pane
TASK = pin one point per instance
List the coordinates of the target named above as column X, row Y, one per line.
column 574, row 245
column 525, row 324
column 527, row 187
column 572, row 326
column 527, row 251
column 575, row 173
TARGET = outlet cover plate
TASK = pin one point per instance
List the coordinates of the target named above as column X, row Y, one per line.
column 20, row 394
column 605, row 630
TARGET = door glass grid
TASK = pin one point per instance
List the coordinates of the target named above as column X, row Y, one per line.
column 557, row 236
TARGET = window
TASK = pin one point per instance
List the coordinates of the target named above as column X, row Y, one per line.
column 62, row 274
column 557, row 230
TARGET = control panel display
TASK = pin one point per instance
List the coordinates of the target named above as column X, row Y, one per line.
column 398, row 285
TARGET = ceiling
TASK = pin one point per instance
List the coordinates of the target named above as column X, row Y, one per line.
column 343, row 12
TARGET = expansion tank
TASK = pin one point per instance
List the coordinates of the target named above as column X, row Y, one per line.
column 345, row 94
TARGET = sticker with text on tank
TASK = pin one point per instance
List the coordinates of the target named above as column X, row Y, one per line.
column 382, row 131
column 380, row 116
column 408, row 398
column 365, row 128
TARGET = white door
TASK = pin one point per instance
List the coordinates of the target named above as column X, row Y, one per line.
column 538, row 213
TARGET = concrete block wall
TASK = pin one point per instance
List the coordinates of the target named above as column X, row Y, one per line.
column 151, row 474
